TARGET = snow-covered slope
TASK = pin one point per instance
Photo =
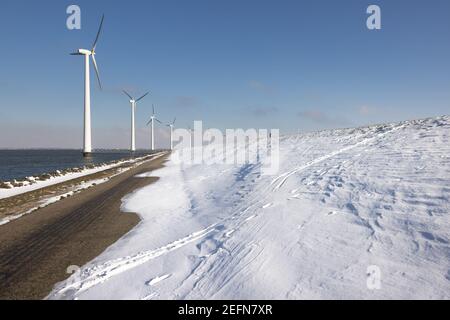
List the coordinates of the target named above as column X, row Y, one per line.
column 345, row 202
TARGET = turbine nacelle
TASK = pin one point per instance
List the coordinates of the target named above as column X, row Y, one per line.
column 171, row 125
column 133, row 100
column 84, row 52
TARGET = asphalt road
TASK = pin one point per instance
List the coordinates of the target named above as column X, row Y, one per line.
column 37, row 249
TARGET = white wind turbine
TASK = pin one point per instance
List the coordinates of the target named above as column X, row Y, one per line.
column 152, row 121
column 87, row 143
column 133, row 103
column 190, row 136
column 170, row 125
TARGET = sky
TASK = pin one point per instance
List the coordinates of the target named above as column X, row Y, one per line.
column 291, row 65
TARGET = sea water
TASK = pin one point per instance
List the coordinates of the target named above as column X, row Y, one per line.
column 19, row 164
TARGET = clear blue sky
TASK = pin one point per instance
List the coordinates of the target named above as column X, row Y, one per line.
column 269, row 64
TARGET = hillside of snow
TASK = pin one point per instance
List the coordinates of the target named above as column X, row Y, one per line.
column 344, row 202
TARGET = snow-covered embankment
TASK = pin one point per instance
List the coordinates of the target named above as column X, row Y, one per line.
column 345, row 201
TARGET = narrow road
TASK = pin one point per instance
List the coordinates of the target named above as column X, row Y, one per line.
column 37, row 249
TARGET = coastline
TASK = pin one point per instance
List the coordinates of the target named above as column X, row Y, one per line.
column 39, row 195
column 37, row 249
column 23, row 185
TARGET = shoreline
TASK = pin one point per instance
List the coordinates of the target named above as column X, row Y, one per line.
column 20, row 204
column 37, row 249
column 19, row 186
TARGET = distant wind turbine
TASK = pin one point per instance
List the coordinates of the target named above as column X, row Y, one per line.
column 170, row 125
column 190, row 136
column 152, row 121
column 133, row 103
column 87, row 142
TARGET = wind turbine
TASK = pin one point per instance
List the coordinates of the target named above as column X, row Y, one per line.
column 152, row 121
column 133, row 103
column 87, row 143
column 190, row 136
column 170, row 125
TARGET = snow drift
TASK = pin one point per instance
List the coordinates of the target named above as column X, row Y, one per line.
column 345, row 201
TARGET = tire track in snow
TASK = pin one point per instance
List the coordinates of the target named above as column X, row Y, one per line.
column 102, row 272
column 281, row 180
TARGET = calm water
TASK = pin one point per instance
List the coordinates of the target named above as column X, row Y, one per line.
column 18, row 164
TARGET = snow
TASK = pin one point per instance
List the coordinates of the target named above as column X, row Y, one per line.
column 158, row 279
column 345, row 203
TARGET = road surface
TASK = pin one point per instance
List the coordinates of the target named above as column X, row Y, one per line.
column 37, row 249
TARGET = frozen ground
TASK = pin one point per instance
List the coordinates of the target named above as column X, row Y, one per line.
column 344, row 200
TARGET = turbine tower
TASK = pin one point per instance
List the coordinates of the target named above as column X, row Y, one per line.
column 87, row 142
column 170, row 125
column 152, row 121
column 190, row 136
column 133, row 103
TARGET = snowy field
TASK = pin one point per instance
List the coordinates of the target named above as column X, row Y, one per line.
column 343, row 201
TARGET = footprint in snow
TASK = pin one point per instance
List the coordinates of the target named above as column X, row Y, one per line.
column 208, row 247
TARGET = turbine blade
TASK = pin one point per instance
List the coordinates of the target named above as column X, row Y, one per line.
column 142, row 97
column 158, row 120
column 173, row 123
column 76, row 54
column 153, row 107
column 149, row 122
column 96, row 71
column 129, row 96
column 98, row 33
